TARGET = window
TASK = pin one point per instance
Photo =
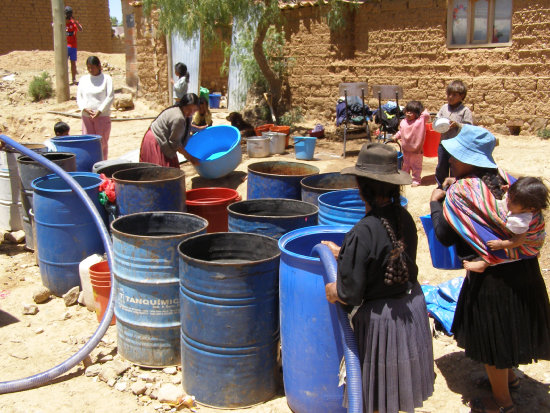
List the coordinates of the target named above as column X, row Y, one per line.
column 475, row 23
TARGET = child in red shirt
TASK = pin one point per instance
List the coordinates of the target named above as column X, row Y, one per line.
column 71, row 27
column 412, row 132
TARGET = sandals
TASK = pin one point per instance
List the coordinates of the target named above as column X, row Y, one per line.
column 478, row 406
column 484, row 382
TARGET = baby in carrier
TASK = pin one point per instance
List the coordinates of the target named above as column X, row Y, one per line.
column 525, row 197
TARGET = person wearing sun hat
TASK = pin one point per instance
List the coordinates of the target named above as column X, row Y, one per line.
column 377, row 273
column 502, row 317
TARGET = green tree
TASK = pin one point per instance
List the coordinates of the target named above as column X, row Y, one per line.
column 114, row 21
column 187, row 17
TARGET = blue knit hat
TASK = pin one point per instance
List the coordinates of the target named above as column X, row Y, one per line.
column 473, row 146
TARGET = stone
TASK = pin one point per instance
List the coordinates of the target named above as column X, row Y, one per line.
column 66, row 315
column 170, row 370
column 41, row 295
column 107, row 373
column 71, row 296
column 121, row 386
column 120, row 366
column 87, row 361
column 30, row 309
column 105, row 359
column 15, row 237
column 176, row 379
column 39, row 330
column 111, row 382
column 124, row 101
column 169, row 393
column 92, row 370
column 138, row 387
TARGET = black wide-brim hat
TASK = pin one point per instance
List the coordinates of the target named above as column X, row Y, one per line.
column 379, row 162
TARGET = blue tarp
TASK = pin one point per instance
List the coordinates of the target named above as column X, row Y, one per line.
column 441, row 301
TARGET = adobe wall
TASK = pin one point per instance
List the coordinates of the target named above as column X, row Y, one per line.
column 27, row 25
column 151, row 58
column 404, row 42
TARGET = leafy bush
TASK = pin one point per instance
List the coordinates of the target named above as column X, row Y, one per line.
column 544, row 133
column 292, row 117
column 41, row 87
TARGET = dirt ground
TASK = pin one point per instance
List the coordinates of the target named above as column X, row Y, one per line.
column 30, row 344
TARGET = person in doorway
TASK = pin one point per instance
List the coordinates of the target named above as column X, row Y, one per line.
column 94, row 97
column 181, row 83
column 71, row 27
column 168, row 134
column 377, row 273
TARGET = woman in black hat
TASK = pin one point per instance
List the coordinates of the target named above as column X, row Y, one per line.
column 377, row 274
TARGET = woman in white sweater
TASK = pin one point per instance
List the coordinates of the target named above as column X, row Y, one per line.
column 94, row 98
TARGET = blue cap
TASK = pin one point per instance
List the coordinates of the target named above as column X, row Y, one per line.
column 473, row 146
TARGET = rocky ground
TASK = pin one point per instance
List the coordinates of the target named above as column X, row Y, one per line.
column 40, row 336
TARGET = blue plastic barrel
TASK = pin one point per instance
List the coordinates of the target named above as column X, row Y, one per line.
column 443, row 257
column 315, row 185
column 147, row 305
column 271, row 217
column 149, row 189
column 343, row 207
column 229, row 318
column 65, row 231
column 310, row 339
column 277, row 179
column 87, row 149
column 29, row 170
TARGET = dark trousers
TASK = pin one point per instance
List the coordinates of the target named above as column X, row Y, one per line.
column 442, row 170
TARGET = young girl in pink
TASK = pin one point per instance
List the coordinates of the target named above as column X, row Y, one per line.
column 412, row 131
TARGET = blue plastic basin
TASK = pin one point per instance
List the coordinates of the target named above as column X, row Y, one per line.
column 218, row 149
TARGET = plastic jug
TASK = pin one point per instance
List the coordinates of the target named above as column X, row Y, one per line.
column 84, row 272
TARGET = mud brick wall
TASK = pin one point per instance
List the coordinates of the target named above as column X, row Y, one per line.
column 405, row 43
column 27, row 25
column 212, row 58
column 151, row 58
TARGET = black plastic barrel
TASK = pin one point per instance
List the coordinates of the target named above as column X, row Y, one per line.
column 315, row 185
column 29, row 170
column 150, row 189
column 271, row 217
column 147, row 305
column 108, row 169
column 229, row 318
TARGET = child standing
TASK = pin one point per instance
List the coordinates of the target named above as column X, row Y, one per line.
column 412, row 132
column 526, row 196
column 202, row 118
column 71, row 27
column 61, row 129
column 458, row 114
column 180, row 84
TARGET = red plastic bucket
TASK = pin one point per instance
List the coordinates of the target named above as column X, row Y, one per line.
column 100, row 271
column 431, row 143
column 211, row 204
column 101, row 298
column 263, row 128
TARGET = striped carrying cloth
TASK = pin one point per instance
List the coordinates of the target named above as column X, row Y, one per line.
column 472, row 210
